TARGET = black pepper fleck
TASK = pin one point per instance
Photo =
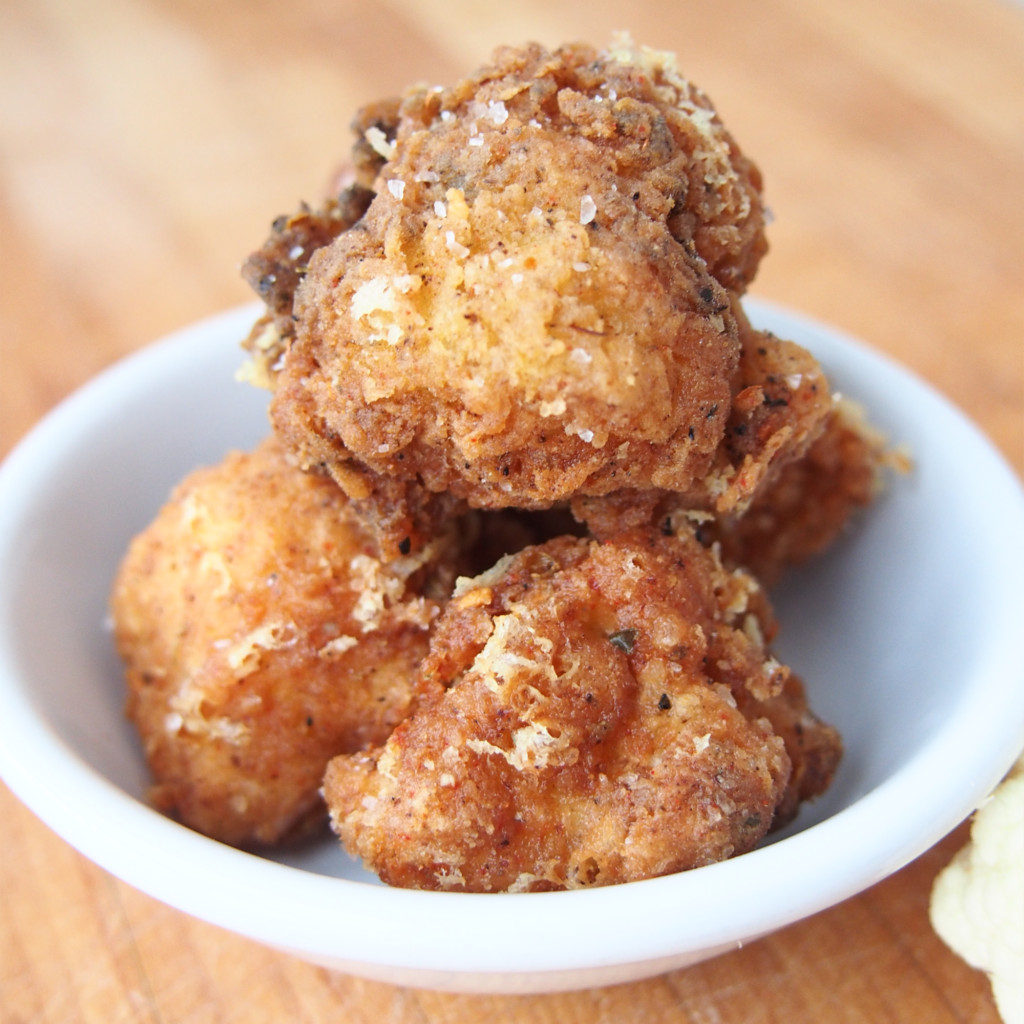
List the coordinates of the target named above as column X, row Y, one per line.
column 624, row 639
column 664, row 703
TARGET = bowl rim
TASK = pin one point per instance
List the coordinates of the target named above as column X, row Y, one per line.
column 320, row 916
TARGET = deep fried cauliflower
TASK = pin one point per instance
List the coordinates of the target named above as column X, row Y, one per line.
column 263, row 634
column 592, row 713
column 540, row 299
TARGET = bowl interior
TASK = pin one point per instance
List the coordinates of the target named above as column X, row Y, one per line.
column 903, row 631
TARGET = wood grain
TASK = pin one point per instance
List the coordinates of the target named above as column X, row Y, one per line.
column 145, row 145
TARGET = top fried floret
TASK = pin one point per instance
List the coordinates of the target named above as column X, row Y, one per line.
column 539, row 301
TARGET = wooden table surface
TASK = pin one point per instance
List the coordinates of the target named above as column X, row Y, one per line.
column 147, row 144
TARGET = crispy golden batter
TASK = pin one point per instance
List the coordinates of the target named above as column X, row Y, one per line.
column 262, row 635
column 540, row 300
column 592, row 713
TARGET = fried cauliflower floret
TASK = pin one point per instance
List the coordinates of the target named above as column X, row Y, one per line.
column 799, row 504
column 592, row 713
column 541, row 298
column 262, row 634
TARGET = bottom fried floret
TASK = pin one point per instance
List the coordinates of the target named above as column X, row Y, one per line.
column 262, row 634
column 590, row 713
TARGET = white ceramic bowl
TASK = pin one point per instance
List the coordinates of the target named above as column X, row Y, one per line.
column 908, row 635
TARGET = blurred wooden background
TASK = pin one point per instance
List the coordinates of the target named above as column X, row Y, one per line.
column 145, row 147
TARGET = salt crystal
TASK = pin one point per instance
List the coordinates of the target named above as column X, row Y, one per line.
column 588, row 209
column 379, row 142
column 396, row 187
column 406, row 283
column 455, row 247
